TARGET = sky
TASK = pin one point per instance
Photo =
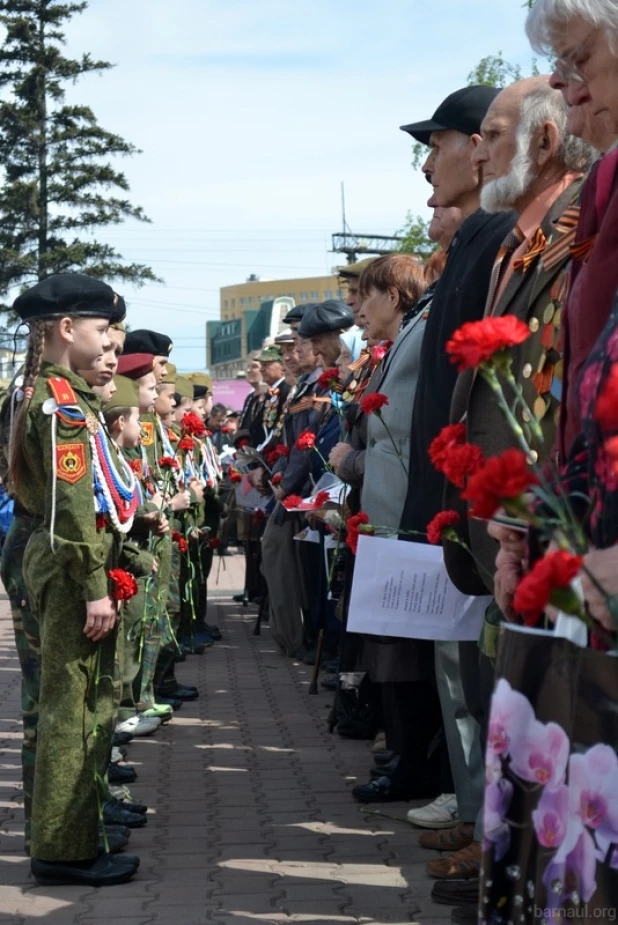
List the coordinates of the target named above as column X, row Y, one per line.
column 250, row 115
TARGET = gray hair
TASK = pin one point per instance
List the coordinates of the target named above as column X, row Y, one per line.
column 547, row 105
column 549, row 18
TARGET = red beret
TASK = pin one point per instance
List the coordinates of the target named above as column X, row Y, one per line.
column 135, row 365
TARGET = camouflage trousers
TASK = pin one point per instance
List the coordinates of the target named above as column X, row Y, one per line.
column 155, row 618
column 76, row 710
column 28, row 643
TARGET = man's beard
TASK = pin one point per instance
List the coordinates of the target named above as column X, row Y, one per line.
column 502, row 194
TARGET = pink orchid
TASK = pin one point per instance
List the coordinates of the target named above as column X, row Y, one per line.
column 575, row 871
column 593, row 792
column 541, row 755
column 496, row 829
column 511, row 713
column 551, row 817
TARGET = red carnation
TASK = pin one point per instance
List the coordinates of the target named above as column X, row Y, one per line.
column 277, row 478
column 330, row 379
column 440, row 447
column 463, row 461
column 192, row 424
column 306, row 441
column 281, row 451
column 136, row 466
column 168, row 462
column 534, row 592
column 606, row 409
column 234, row 476
column 501, row 480
column 440, row 525
column 292, row 501
column 321, row 499
column 373, row 403
column 179, row 538
column 241, row 443
column 476, row 342
column 214, row 543
column 124, row 585
column 186, row 443
column 354, row 526
column 378, row 353
column 100, row 521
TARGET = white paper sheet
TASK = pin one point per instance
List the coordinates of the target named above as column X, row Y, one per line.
column 403, row 589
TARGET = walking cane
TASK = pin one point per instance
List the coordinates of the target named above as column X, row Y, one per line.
column 313, row 687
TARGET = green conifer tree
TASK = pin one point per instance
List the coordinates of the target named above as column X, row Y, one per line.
column 58, row 176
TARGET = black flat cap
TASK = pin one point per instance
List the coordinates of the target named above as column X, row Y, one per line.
column 462, row 111
column 70, row 294
column 159, row 345
column 295, row 314
column 325, row 317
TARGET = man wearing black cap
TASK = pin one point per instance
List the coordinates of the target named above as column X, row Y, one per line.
column 453, row 134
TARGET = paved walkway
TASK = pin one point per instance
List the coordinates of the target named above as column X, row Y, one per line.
column 251, row 819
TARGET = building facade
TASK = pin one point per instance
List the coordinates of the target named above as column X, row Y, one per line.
column 252, row 312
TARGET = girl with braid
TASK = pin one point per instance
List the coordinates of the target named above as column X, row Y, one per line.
column 56, row 460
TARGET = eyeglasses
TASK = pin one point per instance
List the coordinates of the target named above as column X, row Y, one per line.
column 566, row 66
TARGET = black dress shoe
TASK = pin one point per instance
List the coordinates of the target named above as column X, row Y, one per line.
column 464, row 915
column 105, row 870
column 122, row 738
column 213, row 630
column 139, row 808
column 177, row 692
column 117, row 815
column 329, row 684
column 112, row 842
column 172, row 702
column 381, row 758
column 121, row 774
column 456, row 892
column 117, row 830
column 380, row 790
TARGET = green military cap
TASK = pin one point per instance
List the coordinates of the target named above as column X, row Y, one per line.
column 200, row 378
column 170, row 377
column 184, row 387
column 126, row 394
column 354, row 270
column 270, row 354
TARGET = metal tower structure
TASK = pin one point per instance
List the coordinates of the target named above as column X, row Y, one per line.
column 356, row 245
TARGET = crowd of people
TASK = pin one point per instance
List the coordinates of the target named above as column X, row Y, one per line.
column 358, row 416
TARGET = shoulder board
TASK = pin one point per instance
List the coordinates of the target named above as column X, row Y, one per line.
column 62, row 391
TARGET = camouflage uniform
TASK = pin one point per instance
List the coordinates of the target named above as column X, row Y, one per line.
column 61, row 573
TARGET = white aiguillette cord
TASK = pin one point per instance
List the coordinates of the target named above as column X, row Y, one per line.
column 50, row 407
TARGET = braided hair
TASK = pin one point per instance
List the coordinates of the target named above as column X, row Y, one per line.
column 20, row 468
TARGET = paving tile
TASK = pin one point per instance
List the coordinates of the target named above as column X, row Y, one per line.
column 251, row 822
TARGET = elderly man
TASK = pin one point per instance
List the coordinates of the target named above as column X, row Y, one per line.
column 530, row 165
column 460, row 295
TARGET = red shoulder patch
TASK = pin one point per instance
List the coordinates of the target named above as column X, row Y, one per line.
column 62, row 391
column 71, row 462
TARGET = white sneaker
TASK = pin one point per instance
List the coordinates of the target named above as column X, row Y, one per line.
column 116, row 755
column 441, row 814
column 128, row 725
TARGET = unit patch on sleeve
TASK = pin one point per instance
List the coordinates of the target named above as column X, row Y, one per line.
column 147, row 435
column 71, row 462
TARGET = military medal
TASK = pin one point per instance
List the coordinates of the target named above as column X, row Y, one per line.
column 92, row 423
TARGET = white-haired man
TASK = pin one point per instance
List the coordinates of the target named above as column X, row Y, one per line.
column 531, row 165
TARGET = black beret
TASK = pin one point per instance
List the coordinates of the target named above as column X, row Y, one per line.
column 70, row 294
column 159, row 345
column 325, row 317
column 199, row 391
column 295, row 314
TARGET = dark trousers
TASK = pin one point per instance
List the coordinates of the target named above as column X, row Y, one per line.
column 412, row 721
